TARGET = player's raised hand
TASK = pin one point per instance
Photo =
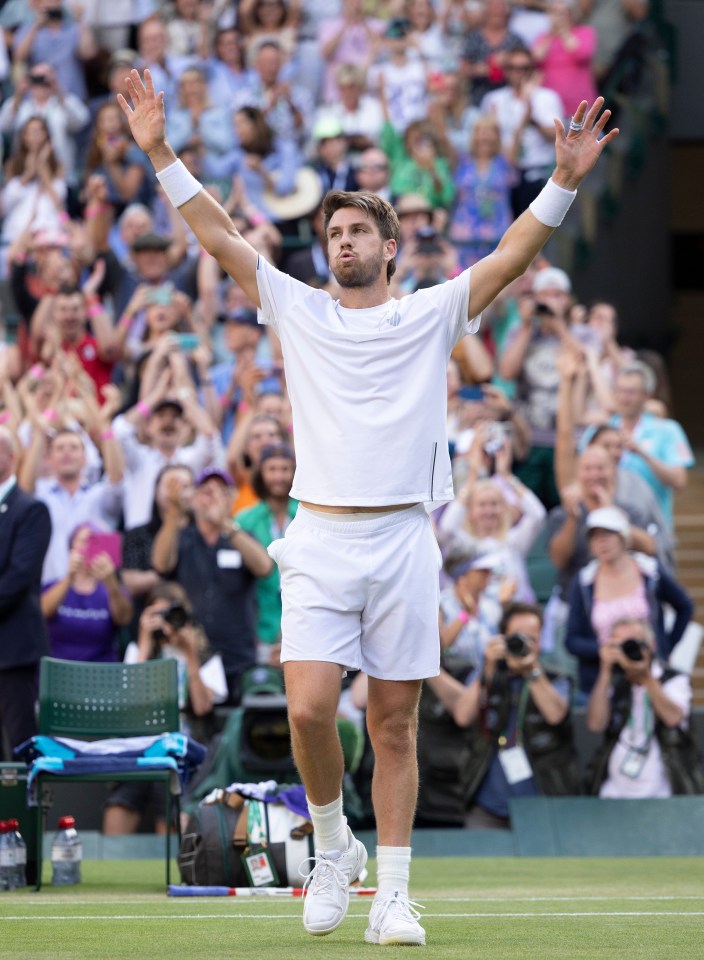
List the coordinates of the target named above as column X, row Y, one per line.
column 146, row 116
column 579, row 147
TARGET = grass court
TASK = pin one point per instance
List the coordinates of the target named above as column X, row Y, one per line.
column 489, row 909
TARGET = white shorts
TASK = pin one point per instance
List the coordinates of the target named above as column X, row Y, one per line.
column 363, row 593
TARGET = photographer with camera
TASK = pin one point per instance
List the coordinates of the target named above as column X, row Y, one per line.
column 530, row 358
column 167, row 629
column 519, row 735
column 642, row 708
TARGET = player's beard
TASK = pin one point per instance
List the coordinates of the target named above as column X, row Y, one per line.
column 359, row 273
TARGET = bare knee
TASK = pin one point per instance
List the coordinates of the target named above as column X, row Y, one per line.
column 394, row 737
column 310, row 718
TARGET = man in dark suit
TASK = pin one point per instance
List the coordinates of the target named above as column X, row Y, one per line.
column 25, row 530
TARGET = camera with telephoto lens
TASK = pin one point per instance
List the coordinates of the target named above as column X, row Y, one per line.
column 518, row 644
column 176, row 616
column 634, row 649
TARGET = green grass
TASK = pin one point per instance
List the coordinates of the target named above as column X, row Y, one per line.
column 502, row 909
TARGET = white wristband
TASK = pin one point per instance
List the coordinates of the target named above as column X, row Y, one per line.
column 179, row 185
column 552, row 203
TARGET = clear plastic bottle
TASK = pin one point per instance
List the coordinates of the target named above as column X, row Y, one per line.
column 66, row 854
column 20, row 854
column 7, row 858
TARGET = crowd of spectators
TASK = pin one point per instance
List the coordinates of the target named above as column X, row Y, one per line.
column 145, row 407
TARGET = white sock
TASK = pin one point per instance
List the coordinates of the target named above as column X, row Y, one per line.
column 393, row 866
column 330, row 826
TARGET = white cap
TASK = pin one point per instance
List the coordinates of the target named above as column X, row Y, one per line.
column 610, row 518
column 551, row 278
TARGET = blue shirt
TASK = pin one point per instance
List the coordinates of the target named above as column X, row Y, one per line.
column 663, row 440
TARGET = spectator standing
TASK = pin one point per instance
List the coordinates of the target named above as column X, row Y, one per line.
column 400, row 78
column 483, row 517
column 655, row 448
column 530, row 357
column 288, row 109
column 217, row 564
column 469, row 614
column 642, row 707
column 34, row 195
column 152, row 47
column 351, row 38
column 268, row 521
column 483, row 181
column 224, row 68
column 38, row 94
column 255, row 432
column 138, row 574
column 525, row 111
column 451, row 113
column 198, row 121
column 87, row 606
column 63, row 41
column 564, row 56
column 115, row 157
column 486, row 50
column 619, row 584
column 263, row 20
column 261, row 163
column 165, row 423
column 25, row 529
column 185, row 28
column 70, row 499
column 418, row 165
column 359, row 112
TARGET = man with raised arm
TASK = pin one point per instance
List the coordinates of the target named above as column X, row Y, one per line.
column 359, row 564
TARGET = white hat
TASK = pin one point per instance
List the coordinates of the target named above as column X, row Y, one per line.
column 610, row 518
column 551, row 278
column 305, row 197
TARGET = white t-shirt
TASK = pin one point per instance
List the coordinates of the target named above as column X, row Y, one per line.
column 508, row 110
column 368, row 389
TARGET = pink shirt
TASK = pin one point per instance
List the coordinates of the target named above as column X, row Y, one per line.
column 569, row 72
column 605, row 613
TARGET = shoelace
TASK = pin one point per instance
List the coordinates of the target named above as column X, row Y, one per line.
column 321, row 877
column 406, row 907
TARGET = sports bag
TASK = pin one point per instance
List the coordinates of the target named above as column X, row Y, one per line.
column 216, row 836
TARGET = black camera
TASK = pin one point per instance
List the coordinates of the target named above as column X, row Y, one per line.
column 543, row 310
column 634, row 649
column 176, row 616
column 55, row 13
column 428, row 240
column 38, row 80
column 518, row 644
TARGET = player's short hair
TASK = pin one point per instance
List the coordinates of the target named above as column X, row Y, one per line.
column 380, row 211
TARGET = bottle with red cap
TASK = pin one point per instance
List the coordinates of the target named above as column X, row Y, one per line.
column 20, row 879
column 66, row 854
column 7, row 857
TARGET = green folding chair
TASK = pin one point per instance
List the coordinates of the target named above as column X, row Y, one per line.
column 90, row 701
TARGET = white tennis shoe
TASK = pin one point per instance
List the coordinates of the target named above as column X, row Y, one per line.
column 326, row 888
column 393, row 921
